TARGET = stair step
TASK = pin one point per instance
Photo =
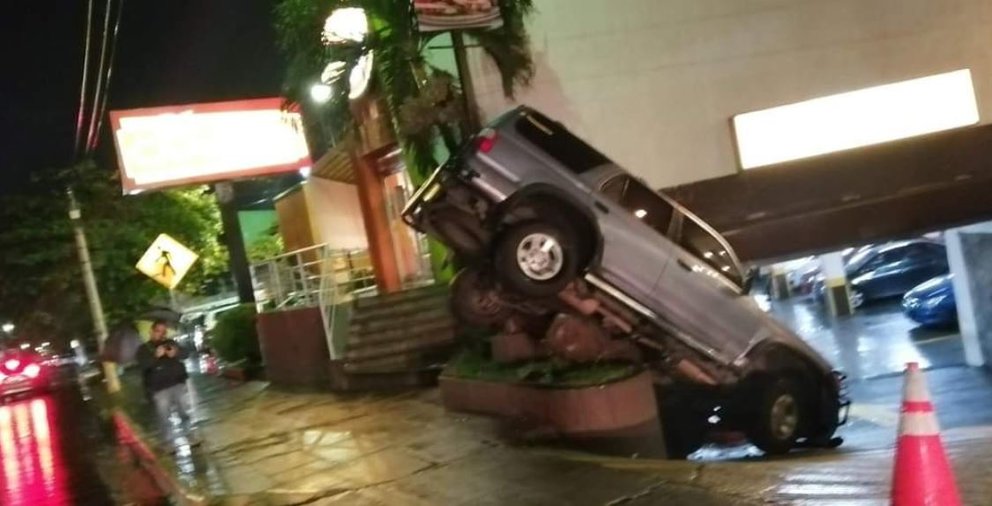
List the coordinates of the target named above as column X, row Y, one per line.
column 401, row 309
column 401, row 297
column 393, row 364
column 394, row 321
column 358, row 340
column 414, row 344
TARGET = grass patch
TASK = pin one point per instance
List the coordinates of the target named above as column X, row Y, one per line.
column 472, row 364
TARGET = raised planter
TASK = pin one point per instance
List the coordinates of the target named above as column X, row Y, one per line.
column 625, row 407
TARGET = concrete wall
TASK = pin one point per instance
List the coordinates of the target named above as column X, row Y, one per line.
column 654, row 83
column 335, row 214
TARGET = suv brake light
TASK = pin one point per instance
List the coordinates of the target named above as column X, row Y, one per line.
column 487, row 140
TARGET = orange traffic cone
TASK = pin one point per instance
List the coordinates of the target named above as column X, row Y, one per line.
column 922, row 474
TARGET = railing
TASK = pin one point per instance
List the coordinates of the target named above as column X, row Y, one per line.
column 317, row 277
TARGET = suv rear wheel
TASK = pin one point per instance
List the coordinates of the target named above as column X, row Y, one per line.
column 537, row 259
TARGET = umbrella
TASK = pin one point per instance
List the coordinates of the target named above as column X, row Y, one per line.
column 165, row 314
column 122, row 344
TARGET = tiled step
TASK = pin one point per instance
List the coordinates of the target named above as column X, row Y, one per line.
column 386, row 322
column 401, row 298
column 439, row 336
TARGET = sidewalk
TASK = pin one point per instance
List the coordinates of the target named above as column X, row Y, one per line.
column 265, row 446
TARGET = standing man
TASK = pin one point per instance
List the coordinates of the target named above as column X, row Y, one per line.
column 164, row 375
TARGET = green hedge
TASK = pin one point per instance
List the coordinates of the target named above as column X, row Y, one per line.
column 235, row 338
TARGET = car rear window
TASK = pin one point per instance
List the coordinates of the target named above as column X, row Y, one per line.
column 559, row 143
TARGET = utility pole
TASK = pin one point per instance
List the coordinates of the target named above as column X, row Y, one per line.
column 92, row 294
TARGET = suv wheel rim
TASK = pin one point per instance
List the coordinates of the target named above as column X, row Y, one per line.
column 784, row 417
column 540, row 256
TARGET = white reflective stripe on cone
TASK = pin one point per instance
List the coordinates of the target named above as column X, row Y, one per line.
column 916, row 387
column 919, row 424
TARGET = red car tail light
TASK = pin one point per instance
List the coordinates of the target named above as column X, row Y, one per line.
column 12, row 364
column 32, row 370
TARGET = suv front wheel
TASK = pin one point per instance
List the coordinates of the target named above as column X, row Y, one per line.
column 781, row 415
column 537, row 259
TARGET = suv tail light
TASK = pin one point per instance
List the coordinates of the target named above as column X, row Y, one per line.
column 487, row 140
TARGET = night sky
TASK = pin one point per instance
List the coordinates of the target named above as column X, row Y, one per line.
column 169, row 52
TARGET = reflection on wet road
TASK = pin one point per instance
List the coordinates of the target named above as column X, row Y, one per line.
column 49, row 448
column 877, row 341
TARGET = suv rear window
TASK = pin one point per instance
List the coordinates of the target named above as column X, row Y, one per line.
column 560, row 144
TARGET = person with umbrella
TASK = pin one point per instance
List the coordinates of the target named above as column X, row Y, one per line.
column 164, row 375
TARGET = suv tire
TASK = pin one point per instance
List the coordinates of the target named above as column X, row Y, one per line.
column 476, row 301
column 780, row 417
column 537, row 259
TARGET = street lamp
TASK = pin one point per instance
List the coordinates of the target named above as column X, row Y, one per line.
column 321, row 93
column 345, row 25
column 7, row 328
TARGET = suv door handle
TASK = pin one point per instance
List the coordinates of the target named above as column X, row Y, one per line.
column 602, row 207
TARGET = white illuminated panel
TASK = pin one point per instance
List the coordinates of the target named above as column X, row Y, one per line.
column 857, row 118
column 173, row 146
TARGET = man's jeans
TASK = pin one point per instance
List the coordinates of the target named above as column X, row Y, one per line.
column 174, row 398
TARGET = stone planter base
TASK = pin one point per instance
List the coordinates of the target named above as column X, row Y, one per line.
column 622, row 411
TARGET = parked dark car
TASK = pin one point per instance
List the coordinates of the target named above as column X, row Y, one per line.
column 932, row 303
column 891, row 270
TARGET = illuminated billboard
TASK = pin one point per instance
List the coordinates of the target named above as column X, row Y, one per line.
column 172, row 146
column 856, row 118
column 442, row 15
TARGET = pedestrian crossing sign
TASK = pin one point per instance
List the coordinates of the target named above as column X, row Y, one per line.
column 167, row 261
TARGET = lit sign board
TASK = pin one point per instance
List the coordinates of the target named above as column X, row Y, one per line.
column 442, row 15
column 193, row 144
column 856, row 118
column 167, row 261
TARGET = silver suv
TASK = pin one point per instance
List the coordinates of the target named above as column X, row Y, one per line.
column 542, row 217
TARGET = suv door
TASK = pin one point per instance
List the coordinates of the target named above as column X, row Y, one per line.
column 634, row 222
column 702, row 292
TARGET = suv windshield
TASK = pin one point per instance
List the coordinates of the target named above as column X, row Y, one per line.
column 559, row 143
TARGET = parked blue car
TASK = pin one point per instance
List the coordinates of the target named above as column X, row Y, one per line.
column 932, row 303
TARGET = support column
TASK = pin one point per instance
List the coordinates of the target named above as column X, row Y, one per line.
column 968, row 267
column 779, row 283
column 371, row 198
column 835, row 284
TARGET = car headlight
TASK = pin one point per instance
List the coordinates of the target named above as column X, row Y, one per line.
column 934, row 301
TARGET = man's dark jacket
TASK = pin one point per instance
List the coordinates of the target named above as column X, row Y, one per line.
column 162, row 372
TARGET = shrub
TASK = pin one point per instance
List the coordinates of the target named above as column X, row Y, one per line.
column 235, row 337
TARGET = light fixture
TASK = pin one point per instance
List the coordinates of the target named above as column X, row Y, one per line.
column 347, row 24
column 361, row 74
column 7, row 328
column 321, row 93
column 305, row 171
column 74, row 343
column 856, row 118
column 640, row 213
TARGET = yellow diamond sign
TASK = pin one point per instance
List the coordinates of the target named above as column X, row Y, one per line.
column 167, row 261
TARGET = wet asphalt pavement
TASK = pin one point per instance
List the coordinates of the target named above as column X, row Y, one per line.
column 50, row 448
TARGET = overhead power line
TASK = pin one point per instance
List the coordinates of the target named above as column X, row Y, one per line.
column 84, row 79
column 100, row 108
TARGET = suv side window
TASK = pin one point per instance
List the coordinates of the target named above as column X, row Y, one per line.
column 550, row 137
column 707, row 246
column 640, row 201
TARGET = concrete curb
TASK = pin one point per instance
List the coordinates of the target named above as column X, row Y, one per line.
column 131, row 434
